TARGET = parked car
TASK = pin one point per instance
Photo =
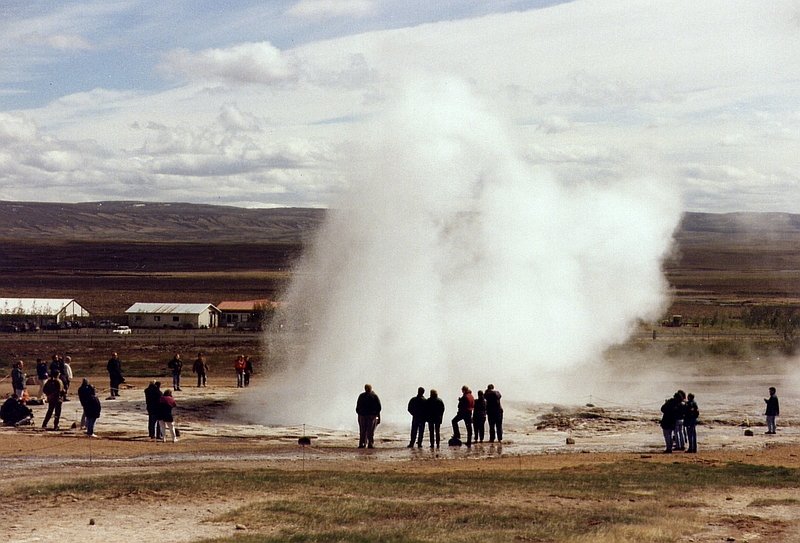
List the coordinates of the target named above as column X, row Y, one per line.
column 121, row 330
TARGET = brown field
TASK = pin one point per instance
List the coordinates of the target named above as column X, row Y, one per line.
column 227, row 480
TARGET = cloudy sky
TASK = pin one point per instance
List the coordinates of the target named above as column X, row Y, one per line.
column 260, row 103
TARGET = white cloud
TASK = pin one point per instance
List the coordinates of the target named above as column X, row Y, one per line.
column 246, row 63
column 320, row 9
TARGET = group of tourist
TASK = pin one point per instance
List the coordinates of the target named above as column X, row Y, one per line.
column 430, row 411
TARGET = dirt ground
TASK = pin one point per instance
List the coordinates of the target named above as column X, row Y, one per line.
column 536, row 439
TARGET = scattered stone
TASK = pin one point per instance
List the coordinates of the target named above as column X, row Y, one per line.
column 92, row 522
column 748, row 432
column 589, row 405
column 241, row 527
column 645, row 456
column 74, row 425
column 728, row 499
column 570, row 441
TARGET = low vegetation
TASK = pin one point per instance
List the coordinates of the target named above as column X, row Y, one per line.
column 633, row 501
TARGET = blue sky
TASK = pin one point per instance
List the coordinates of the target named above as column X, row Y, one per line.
column 258, row 103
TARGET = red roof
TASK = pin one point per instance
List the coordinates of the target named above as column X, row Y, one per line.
column 247, row 305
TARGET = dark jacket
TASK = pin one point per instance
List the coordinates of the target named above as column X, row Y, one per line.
column 54, row 390
column 368, row 404
column 200, row 367
column 85, row 393
column 435, row 410
column 41, row 370
column 114, row 368
column 416, row 406
column 493, row 407
column 165, row 407
column 176, row 365
column 480, row 408
column 773, row 409
column 92, row 407
column 671, row 411
column 17, row 378
column 13, row 411
column 152, row 398
column 692, row 413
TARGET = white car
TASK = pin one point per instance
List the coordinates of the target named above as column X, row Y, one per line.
column 121, row 330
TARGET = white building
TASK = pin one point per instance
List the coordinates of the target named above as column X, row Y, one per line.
column 159, row 315
column 42, row 309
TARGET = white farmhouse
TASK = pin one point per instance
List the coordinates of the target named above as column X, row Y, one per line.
column 42, row 309
column 159, row 315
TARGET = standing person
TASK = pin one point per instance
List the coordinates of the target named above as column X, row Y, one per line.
column 368, row 408
column 41, row 375
column 85, row 392
column 54, row 390
column 669, row 415
column 240, row 366
column 416, row 407
column 176, row 366
column 494, row 413
column 18, row 378
column 680, row 413
column 434, row 407
column 773, row 410
column 66, row 376
column 152, row 400
column 248, row 370
column 114, row 368
column 479, row 417
column 692, row 413
column 201, row 369
column 91, row 410
column 466, row 403
column 165, row 418
column 57, row 364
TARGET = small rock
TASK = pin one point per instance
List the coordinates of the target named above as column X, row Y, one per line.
column 241, row 527
column 748, row 432
column 570, row 441
column 92, row 522
column 728, row 499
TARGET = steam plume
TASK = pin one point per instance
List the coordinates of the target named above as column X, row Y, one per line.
column 452, row 261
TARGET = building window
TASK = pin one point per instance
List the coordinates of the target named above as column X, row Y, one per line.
column 157, row 318
column 175, row 319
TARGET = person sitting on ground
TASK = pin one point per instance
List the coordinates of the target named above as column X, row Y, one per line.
column 14, row 412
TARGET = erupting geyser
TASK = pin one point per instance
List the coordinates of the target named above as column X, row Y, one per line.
column 451, row 260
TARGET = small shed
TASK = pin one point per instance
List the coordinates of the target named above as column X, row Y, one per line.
column 165, row 315
column 42, row 310
column 244, row 314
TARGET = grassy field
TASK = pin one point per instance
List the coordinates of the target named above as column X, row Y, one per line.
column 635, row 501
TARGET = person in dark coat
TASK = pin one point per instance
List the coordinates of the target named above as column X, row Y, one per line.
column 494, row 413
column 201, row 369
column 434, row 407
column 54, row 391
column 115, row 377
column 691, row 414
column 14, row 412
column 41, row 375
column 416, row 407
column 466, row 403
column 368, row 408
column 152, row 399
column 479, row 417
column 18, row 379
column 773, row 410
column 91, row 410
column 671, row 410
column 85, row 392
column 176, row 367
column 165, row 419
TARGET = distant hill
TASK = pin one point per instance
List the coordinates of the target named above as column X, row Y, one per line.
column 149, row 222
column 170, row 222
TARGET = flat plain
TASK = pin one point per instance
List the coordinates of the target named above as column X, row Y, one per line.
column 227, row 479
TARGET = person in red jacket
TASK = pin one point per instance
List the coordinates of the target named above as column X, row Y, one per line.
column 165, row 419
column 240, row 365
column 466, row 403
